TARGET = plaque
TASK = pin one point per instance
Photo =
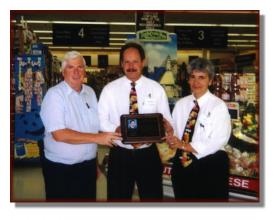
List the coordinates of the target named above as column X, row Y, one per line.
column 142, row 128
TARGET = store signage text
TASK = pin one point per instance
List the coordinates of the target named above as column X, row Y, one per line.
column 153, row 35
column 149, row 20
column 167, row 170
column 243, row 183
column 29, row 61
column 240, row 183
column 201, row 37
column 80, row 35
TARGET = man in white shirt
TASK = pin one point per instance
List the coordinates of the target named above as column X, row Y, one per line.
column 130, row 164
column 200, row 167
column 70, row 116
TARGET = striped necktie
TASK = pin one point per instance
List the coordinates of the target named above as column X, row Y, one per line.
column 133, row 99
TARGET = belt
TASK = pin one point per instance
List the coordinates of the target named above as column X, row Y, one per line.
column 134, row 149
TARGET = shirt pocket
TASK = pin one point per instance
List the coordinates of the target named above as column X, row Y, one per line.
column 149, row 105
column 205, row 127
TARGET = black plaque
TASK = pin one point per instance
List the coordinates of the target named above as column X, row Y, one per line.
column 142, row 128
column 80, row 35
column 201, row 37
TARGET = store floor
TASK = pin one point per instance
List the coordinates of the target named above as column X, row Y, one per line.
column 28, row 183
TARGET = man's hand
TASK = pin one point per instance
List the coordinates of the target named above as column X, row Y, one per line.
column 118, row 130
column 107, row 138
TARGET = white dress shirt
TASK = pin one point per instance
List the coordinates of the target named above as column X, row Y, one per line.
column 62, row 108
column 114, row 102
column 213, row 126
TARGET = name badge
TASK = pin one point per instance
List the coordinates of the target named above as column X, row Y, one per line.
column 149, row 101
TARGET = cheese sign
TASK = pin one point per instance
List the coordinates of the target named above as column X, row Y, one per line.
column 167, row 170
column 241, row 183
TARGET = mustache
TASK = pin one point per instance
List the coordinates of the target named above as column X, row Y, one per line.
column 131, row 70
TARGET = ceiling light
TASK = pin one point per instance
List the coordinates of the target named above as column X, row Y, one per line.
column 43, row 32
column 245, row 41
column 117, row 44
column 122, row 23
column 45, row 38
column 133, row 23
column 120, row 32
column 111, row 39
column 116, row 39
column 85, row 48
column 47, row 43
column 242, row 45
column 242, row 35
column 79, row 22
column 210, row 25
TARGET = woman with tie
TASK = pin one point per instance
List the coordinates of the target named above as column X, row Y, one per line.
column 202, row 127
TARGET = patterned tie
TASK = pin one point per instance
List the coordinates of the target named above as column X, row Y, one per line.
column 133, row 100
column 187, row 157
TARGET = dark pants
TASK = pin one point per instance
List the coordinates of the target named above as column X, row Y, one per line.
column 69, row 182
column 206, row 178
column 140, row 166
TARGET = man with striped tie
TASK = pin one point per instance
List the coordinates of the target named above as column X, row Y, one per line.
column 133, row 93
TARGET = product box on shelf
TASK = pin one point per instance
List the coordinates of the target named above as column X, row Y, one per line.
column 30, row 87
column 39, row 49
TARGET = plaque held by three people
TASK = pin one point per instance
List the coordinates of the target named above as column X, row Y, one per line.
column 142, row 128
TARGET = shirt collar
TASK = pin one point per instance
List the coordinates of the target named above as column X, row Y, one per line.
column 138, row 82
column 69, row 90
column 201, row 101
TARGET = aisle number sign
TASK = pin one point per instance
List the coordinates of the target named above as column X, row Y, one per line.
column 201, row 37
column 80, row 35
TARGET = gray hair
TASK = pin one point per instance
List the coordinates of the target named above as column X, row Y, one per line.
column 70, row 56
column 203, row 65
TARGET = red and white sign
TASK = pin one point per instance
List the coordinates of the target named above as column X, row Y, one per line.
column 244, row 183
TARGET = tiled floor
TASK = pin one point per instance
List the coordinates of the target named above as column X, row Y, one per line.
column 28, row 181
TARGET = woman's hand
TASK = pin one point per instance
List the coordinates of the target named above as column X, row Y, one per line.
column 167, row 126
column 174, row 142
